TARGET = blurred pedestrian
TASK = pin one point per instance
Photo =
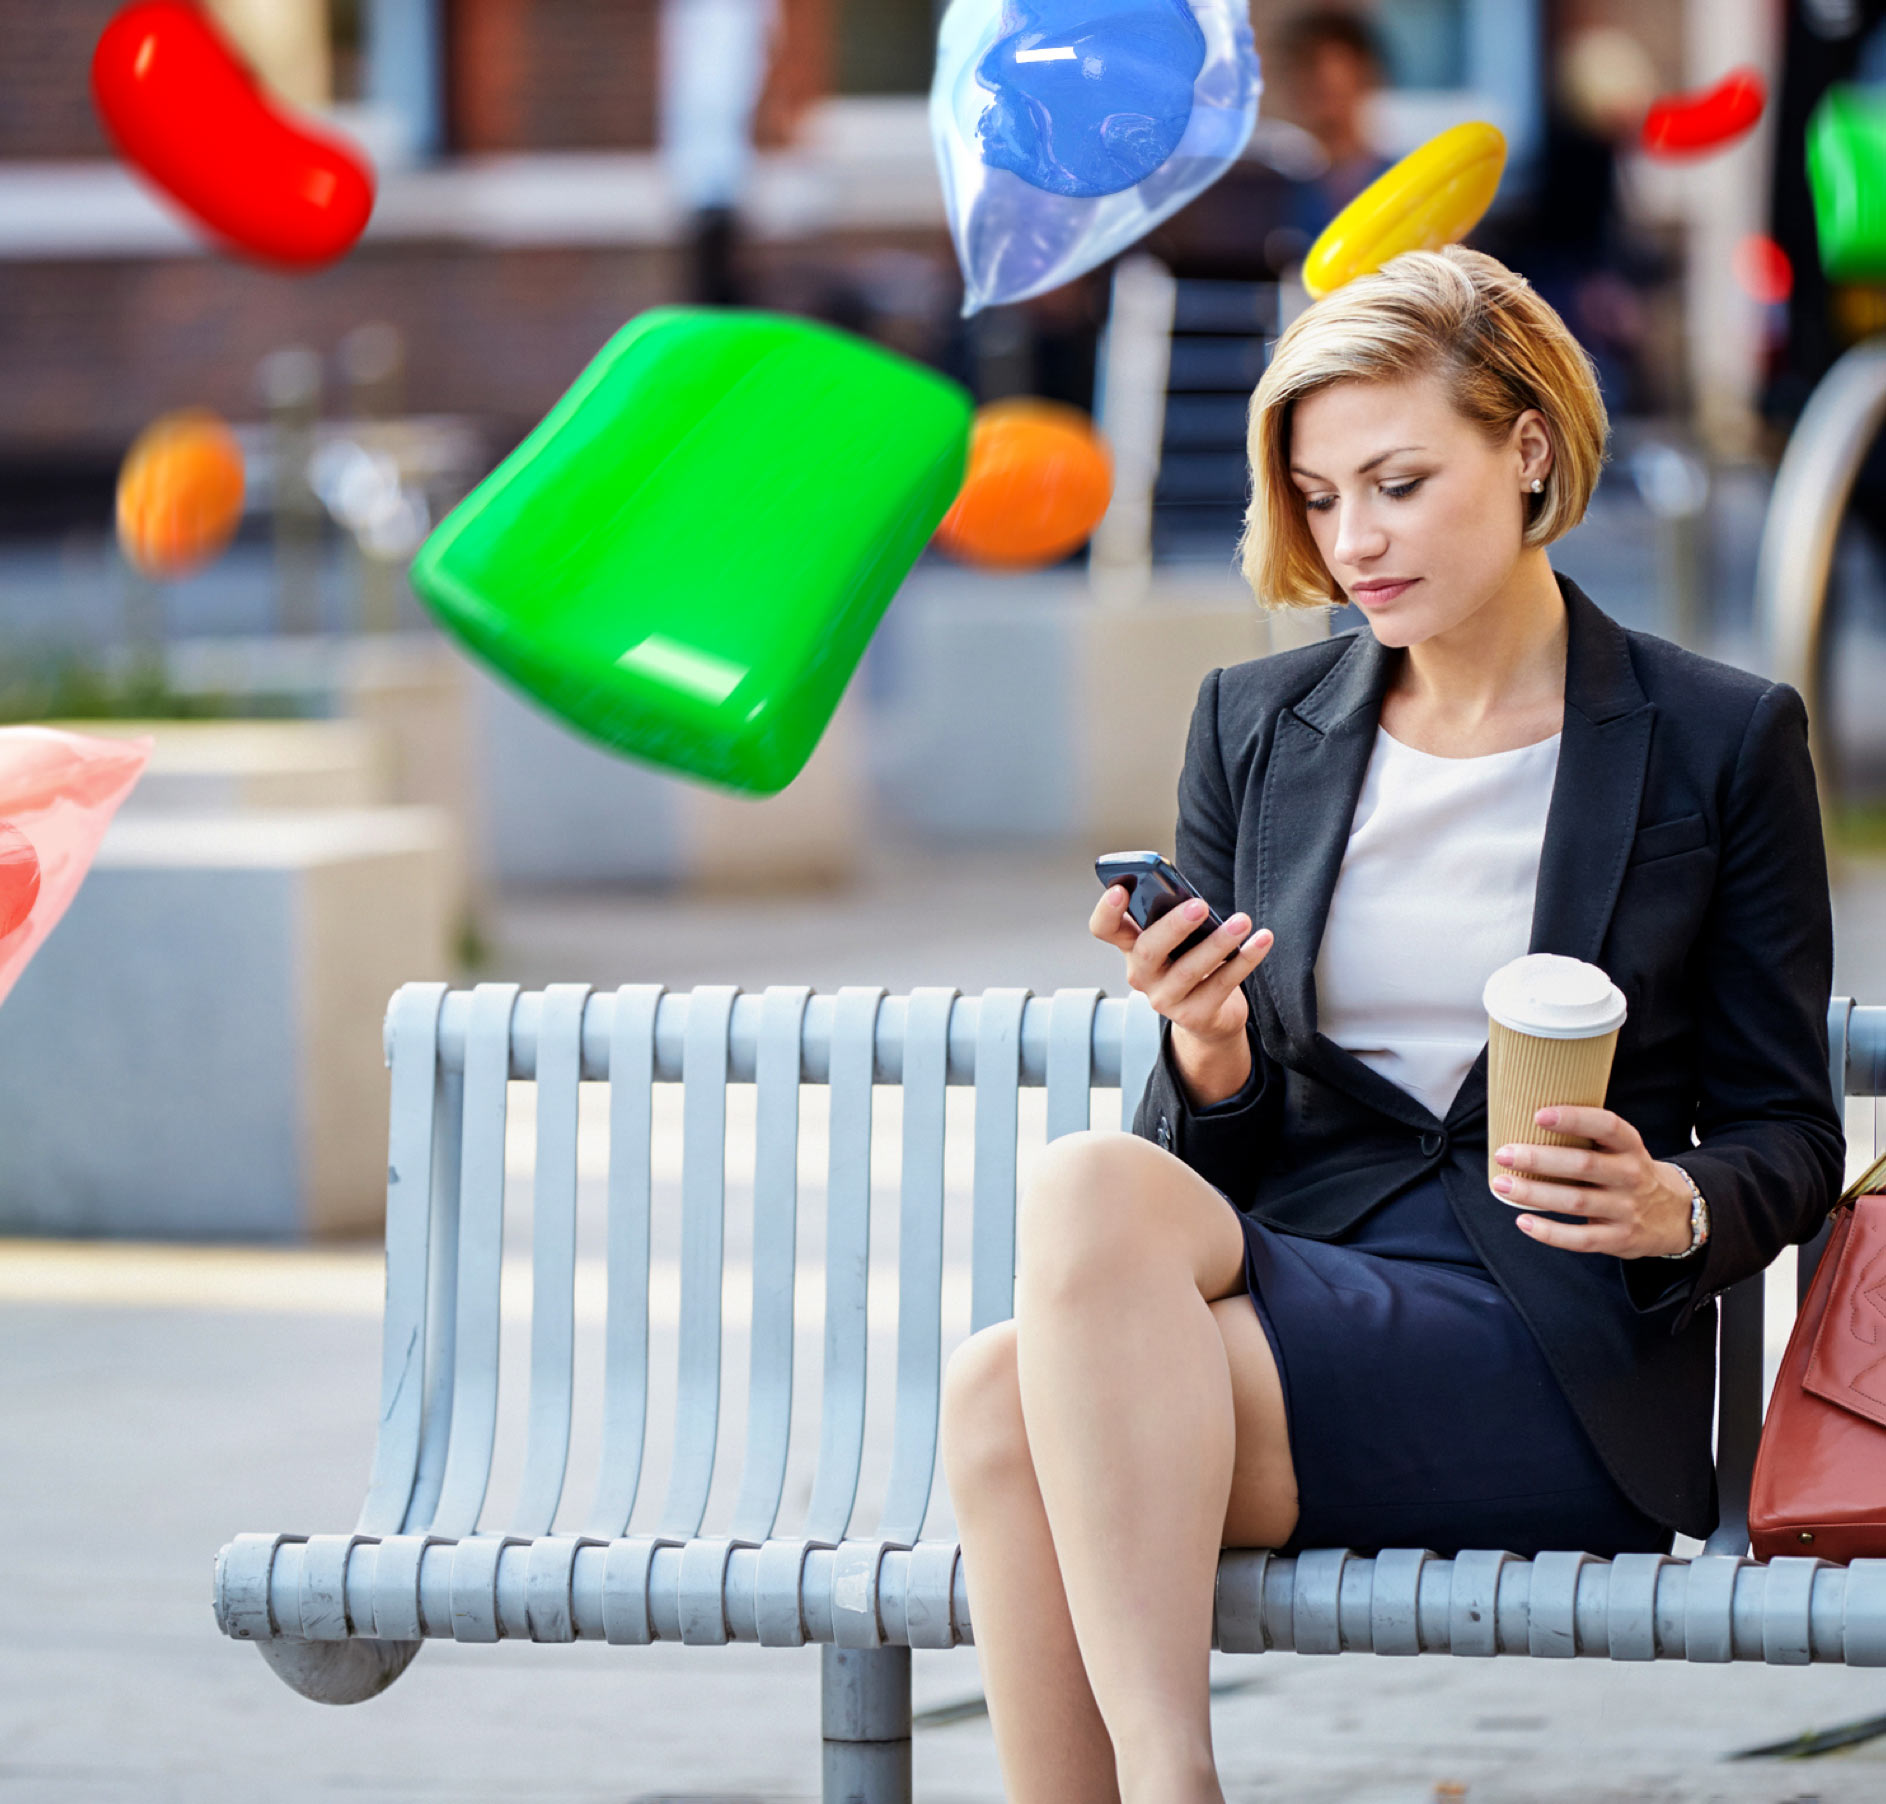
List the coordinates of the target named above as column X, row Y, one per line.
column 1327, row 65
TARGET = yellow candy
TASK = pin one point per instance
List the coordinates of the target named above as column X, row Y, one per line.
column 1433, row 197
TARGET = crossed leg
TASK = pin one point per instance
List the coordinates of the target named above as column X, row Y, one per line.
column 1100, row 1448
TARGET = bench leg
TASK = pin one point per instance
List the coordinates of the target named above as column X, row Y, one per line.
column 866, row 1707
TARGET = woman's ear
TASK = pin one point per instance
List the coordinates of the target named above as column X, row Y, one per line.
column 1532, row 440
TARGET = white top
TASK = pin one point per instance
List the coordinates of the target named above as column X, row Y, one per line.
column 1435, row 895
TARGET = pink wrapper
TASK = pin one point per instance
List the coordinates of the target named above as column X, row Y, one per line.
column 58, row 792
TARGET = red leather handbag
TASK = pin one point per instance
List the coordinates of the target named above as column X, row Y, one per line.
column 1820, row 1477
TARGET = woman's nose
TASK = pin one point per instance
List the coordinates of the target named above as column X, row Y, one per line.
column 1358, row 537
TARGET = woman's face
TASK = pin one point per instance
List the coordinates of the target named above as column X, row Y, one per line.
column 1419, row 517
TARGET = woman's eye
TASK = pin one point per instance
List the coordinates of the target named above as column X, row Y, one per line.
column 1319, row 504
column 1400, row 491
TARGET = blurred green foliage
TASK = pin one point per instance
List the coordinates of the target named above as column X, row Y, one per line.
column 65, row 686
column 1858, row 829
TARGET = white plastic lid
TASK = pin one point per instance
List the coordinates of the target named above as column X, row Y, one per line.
column 1554, row 998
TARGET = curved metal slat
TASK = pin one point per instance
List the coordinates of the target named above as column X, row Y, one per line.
column 412, row 1040
column 847, row 1264
column 553, row 1258
column 919, row 1265
column 625, row 1333
column 998, row 1095
column 480, row 1261
column 775, row 1259
column 448, row 1145
column 703, row 1236
column 1139, row 1053
column 1071, row 1062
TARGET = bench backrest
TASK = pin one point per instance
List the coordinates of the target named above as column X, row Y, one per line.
column 453, row 1058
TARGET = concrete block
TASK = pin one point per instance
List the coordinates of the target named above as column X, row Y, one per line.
column 407, row 694
column 559, row 809
column 196, row 1051
column 208, row 766
column 1016, row 707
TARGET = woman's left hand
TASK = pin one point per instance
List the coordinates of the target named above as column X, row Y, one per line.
column 1633, row 1206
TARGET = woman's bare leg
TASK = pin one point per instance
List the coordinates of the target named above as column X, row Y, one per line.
column 1049, row 1737
column 1132, row 1423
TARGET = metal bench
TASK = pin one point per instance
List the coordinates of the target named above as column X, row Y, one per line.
column 340, row 1616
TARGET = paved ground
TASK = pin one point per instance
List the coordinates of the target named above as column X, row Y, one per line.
column 153, row 1402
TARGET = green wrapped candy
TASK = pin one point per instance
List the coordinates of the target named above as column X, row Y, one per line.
column 1846, row 168
column 688, row 556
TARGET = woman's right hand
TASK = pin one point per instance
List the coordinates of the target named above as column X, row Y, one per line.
column 1201, row 993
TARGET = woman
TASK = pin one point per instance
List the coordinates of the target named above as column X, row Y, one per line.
column 1287, row 1311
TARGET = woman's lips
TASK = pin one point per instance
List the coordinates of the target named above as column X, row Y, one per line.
column 1379, row 594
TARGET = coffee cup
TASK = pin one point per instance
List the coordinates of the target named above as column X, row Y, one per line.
column 1552, row 1029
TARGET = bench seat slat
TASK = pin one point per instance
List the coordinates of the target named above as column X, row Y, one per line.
column 998, row 1095
column 553, row 1258
column 1071, row 1062
column 775, row 1253
column 847, row 1264
column 919, row 1265
column 703, row 1241
column 480, row 1262
column 625, row 1330
column 412, row 1039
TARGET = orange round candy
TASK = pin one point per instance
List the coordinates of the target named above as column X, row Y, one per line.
column 1039, row 479
column 179, row 493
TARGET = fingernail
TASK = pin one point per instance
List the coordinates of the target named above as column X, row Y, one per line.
column 1527, row 1224
column 1238, row 923
column 1195, row 910
column 1252, row 941
column 1547, row 1118
column 1504, row 1155
column 1502, row 1185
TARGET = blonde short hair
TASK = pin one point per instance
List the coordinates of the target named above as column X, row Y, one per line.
column 1457, row 313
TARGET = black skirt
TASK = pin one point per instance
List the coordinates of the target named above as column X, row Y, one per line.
column 1422, row 1412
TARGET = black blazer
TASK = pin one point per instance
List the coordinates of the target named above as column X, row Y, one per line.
column 1683, row 854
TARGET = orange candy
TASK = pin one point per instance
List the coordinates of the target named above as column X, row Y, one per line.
column 1039, row 479
column 179, row 493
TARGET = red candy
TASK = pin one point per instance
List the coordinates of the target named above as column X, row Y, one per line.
column 19, row 878
column 1688, row 125
column 183, row 106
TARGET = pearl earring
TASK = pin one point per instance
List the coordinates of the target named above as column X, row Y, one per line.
column 1538, row 485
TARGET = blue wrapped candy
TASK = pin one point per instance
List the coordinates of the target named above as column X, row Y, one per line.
column 1067, row 129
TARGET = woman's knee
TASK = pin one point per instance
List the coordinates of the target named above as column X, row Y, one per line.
column 1108, row 1206
column 983, row 1438
column 1091, row 1201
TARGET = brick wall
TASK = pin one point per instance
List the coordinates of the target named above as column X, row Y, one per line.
column 552, row 74
column 45, row 77
column 91, row 351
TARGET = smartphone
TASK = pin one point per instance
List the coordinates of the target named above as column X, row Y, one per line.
column 1154, row 886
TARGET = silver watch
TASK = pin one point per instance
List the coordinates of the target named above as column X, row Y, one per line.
column 1699, row 1220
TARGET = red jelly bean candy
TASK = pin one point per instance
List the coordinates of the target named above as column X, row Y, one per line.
column 19, row 878
column 1688, row 125
column 182, row 105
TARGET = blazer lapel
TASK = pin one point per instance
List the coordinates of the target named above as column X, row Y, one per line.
column 1604, row 753
column 1319, row 758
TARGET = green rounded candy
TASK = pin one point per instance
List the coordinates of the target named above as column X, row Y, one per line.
column 687, row 557
column 1846, row 169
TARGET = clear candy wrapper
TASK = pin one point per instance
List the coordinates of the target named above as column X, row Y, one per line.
column 1065, row 130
